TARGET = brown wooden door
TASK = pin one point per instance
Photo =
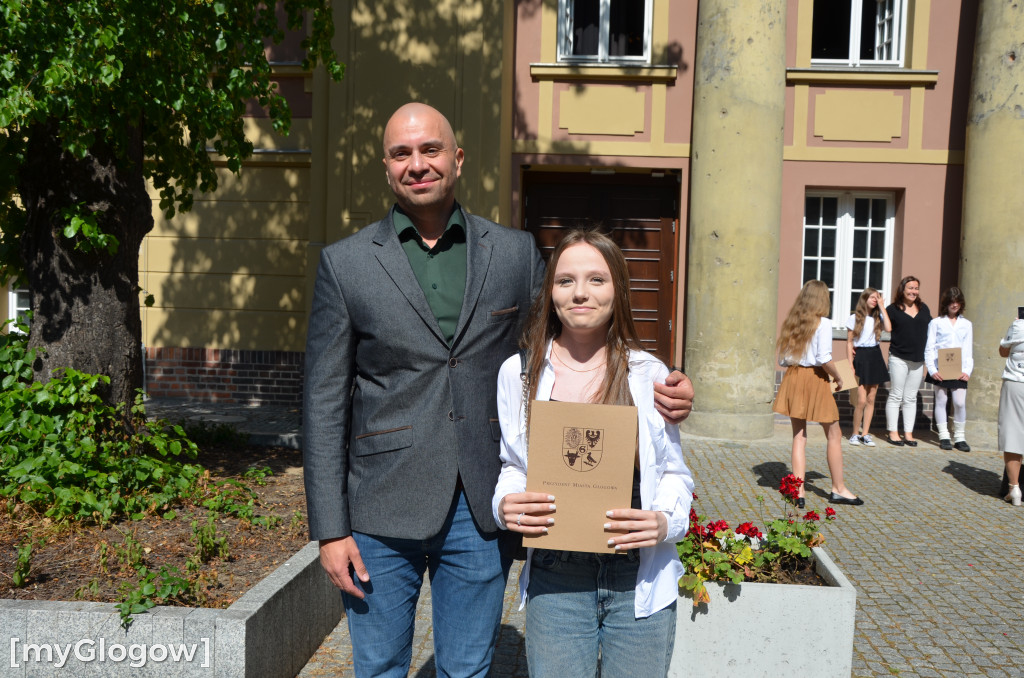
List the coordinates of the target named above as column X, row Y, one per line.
column 639, row 212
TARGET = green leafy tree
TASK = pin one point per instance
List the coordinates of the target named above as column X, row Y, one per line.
column 96, row 98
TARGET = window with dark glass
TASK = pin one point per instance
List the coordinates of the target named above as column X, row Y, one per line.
column 857, row 32
column 604, row 30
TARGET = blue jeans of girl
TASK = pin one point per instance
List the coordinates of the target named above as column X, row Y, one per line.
column 581, row 606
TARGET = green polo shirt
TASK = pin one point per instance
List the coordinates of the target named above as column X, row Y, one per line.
column 441, row 269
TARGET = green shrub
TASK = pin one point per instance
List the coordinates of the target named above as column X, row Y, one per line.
column 67, row 453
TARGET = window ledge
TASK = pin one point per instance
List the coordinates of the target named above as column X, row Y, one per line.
column 595, row 71
column 839, row 333
column 861, row 75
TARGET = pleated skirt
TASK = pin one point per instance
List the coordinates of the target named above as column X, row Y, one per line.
column 806, row 393
column 1011, row 417
column 869, row 366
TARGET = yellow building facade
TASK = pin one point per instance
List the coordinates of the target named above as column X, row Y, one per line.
column 732, row 156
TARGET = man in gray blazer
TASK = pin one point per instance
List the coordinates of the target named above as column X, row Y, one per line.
column 412, row 317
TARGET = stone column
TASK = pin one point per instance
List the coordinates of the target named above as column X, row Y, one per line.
column 735, row 214
column 992, row 255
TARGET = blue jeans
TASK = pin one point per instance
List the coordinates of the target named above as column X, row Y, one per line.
column 581, row 604
column 467, row 584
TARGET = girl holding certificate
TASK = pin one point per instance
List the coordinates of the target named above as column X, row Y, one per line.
column 582, row 346
column 805, row 350
column 950, row 330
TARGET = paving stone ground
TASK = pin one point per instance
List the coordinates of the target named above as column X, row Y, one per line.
column 934, row 554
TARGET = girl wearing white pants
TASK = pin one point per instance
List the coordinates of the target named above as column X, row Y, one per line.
column 950, row 330
column 909, row 317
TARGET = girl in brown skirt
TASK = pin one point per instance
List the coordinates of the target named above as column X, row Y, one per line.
column 805, row 350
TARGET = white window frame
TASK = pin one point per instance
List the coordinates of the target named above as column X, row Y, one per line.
column 14, row 308
column 896, row 22
column 842, row 287
column 565, row 23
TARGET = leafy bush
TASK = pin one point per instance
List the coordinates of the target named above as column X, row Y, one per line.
column 66, row 452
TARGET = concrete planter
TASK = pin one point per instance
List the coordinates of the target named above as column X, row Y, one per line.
column 269, row 632
column 769, row 630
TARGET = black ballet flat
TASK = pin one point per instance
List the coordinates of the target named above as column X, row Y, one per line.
column 898, row 442
column 849, row 501
column 800, row 502
column 910, row 443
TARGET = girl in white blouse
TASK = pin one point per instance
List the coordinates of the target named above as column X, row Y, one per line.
column 805, row 350
column 950, row 330
column 864, row 329
column 613, row 610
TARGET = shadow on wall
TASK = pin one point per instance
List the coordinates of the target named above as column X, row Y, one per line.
column 448, row 55
column 233, row 271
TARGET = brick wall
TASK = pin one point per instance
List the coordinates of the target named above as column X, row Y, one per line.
column 225, row 375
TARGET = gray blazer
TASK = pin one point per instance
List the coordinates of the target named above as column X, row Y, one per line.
column 392, row 414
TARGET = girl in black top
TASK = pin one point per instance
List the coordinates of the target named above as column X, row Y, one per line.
column 909, row 317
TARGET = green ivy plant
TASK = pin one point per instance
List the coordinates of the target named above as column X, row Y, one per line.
column 67, row 454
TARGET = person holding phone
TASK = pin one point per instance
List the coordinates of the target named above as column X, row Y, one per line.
column 864, row 329
column 950, row 330
column 909, row 317
column 1011, row 405
column 805, row 350
column 616, row 610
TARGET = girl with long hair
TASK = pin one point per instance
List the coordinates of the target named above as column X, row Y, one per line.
column 805, row 350
column 864, row 329
column 582, row 347
column 950, row 330
column 909, row 317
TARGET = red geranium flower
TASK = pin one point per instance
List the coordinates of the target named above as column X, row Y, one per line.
column 790, row 487
column 811, row 516
column 717, row 526
column 749, row 530
column 830, row 513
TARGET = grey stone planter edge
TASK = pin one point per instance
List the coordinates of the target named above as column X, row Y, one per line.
column 754, row 629
column 270, row 632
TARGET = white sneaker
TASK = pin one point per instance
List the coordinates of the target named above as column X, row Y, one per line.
column 1014, row 496
column 867, row 441
column 855, row 439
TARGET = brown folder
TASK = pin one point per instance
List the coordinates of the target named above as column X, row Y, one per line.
column 845, row 370
column 950, row 363
column 583, row 454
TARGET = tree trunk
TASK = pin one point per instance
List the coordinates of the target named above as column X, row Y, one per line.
column 85, row 304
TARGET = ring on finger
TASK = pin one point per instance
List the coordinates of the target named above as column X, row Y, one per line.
column 519, row 520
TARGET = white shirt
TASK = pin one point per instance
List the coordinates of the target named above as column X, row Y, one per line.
column 666, row 484
column 867, row 333
column 1014, row 340
column 945, row 334
column 818, row 350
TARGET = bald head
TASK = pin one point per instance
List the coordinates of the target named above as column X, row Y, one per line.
column 422, row 163
column 416, row 113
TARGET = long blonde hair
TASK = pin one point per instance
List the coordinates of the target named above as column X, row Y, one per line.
column 863, row 311
column 543, row 325
column 811, row 305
